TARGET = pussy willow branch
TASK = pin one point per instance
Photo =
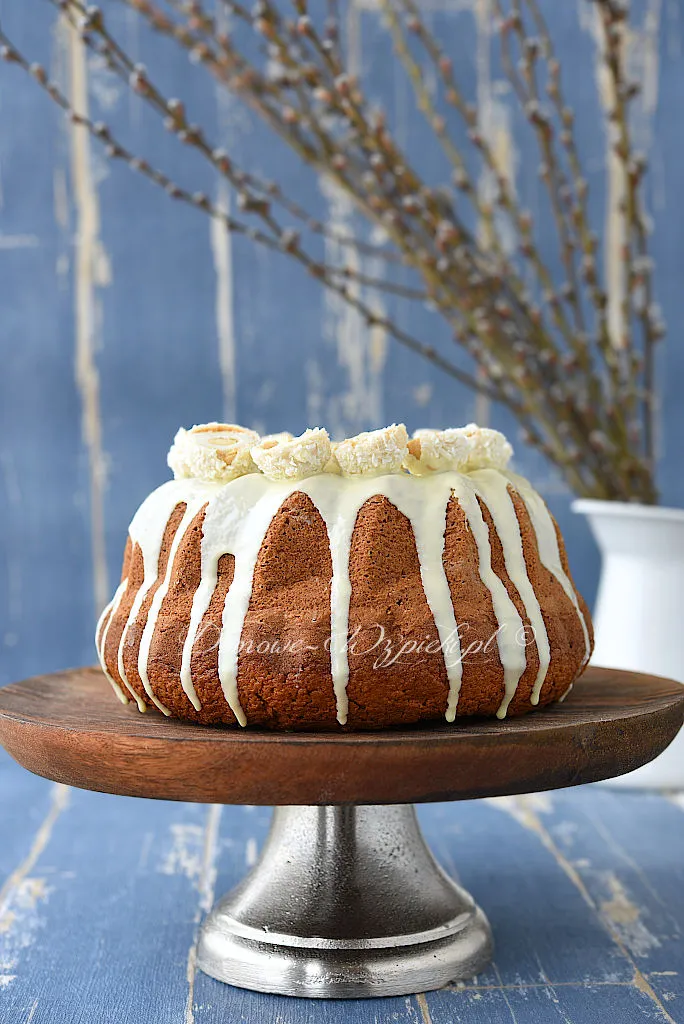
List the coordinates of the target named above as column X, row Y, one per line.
column 505, row 198
column 621, row 371
column 536, row 392
column 574, row 420
column 90, row 24
column 575, row 340
column 578, row 192
column 183, row 35
column 437, row 122
column 552, row 174
column 539, row 361
column 97, row 37
column 461, row 174
column 524, row 78
column 283, row 243
column 570, row 222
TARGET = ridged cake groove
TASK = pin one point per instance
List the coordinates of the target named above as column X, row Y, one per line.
column 549, row 549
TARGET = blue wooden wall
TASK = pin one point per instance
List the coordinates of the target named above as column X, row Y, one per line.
column 123, row 316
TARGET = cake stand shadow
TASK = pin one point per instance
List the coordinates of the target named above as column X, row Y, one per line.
column 346, row 899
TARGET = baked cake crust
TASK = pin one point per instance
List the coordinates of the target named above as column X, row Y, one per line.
column 231, row 591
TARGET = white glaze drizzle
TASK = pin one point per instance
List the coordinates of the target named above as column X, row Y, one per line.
column 237, row 521
column 253, row 508
column 492, row 486
column 238, row 515
column 113, row 605
column 547, row 544
column 221, row 513
column 147, row 531
column 339, row 502
column 194, row 504
column 511, row 653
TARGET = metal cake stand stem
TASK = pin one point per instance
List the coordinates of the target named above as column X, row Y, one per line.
column 345, row 902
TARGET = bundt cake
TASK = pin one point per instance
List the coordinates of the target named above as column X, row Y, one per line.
column 297, row 583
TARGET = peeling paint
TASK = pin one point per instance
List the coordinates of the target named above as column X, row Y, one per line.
column 677, row 799
column 185, row 854
column 546, row 986
column 361, row 352
column 92, row 272
column 59, row 801
column 60, row 198
column 424, row 1008
column 626, row 916
column 422, row 394
column 31, row 1013
column 504, row 994
column 522, row 809
column 28, row 893
column 633, row 866
column 495, row 125
column 22, row 893
column 251, row 852
column 640, row 44
column 222, row 252
column 206, row 885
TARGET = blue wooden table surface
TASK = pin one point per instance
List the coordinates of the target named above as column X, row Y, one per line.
column 101, row 898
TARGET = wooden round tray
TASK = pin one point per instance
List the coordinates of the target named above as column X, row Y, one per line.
column 69, row 727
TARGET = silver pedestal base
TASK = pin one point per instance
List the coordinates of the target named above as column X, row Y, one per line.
column 345, row 902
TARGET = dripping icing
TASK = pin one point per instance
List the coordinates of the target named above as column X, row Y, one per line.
column 493, row 488
column 237, row 518
column 193, row 506
column 113, row 606
column 509, row 624
column 236, row 522
column 547, row 545
column 147, row 530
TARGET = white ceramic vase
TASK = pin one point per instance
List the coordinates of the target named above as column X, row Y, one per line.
column 639, row 612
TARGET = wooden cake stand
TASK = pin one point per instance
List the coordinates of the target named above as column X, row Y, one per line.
column 347, row 899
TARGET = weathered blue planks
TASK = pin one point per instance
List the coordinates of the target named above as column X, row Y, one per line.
column 545, row 1003
column 101, row 897
column 124, row 315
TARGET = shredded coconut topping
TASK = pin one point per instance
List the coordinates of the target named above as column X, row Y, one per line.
column 460, row 449
column 283, row 457
column 435, row 451
column 374, row 452
column 490, row 448
column 212, row 451
column 219, row 452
